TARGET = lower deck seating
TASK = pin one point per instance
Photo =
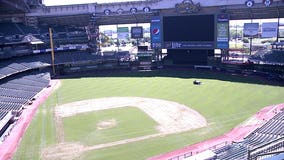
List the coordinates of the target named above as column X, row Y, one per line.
column 236, row 151
column 270, row 131
column 13, row 99
column 3, row 114
column 16, row 92
column 24, row 63
column 20, row 87
column 6, row 118
column 6, row 106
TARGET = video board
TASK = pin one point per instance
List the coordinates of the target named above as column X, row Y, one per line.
column 189, row 32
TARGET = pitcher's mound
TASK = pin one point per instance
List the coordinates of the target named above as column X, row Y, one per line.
column 106, row 124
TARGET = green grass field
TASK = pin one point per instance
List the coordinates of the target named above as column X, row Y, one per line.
column 224, row 100
column 130, row 122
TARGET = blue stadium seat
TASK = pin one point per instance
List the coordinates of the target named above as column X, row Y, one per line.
column 271, row 130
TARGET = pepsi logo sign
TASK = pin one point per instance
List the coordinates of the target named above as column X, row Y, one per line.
column 156, row 31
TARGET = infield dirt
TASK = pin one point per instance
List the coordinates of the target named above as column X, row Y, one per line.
column 172, row 118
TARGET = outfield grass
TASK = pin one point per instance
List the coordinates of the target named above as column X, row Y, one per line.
column 224, row 100
column 130, row 122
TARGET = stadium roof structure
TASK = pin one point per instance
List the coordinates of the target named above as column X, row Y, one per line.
column 63, row 2
column 259, row 11
column 139, row 11
column 13, row 6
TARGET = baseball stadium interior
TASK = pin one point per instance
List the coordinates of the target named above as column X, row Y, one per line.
column 39, row 43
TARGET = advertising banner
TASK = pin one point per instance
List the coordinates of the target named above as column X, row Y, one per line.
column 156, row 32
column 189, row 45
column 269, row 30
column 222, row 31
column 223, row 18
column 123, row 33
column 251, row 29
column 136, row 32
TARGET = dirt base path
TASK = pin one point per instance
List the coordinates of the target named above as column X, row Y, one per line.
column 172, row 118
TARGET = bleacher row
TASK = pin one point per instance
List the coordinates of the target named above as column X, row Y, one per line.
column 17, row 65
column 16, row 92
column 270, row 131
column 235, row 151
column 24, row 87
column 20, row 64
column 15, row 30
column 24, row 63
column 3, row 114
column 8, row 51
column 17, row 39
